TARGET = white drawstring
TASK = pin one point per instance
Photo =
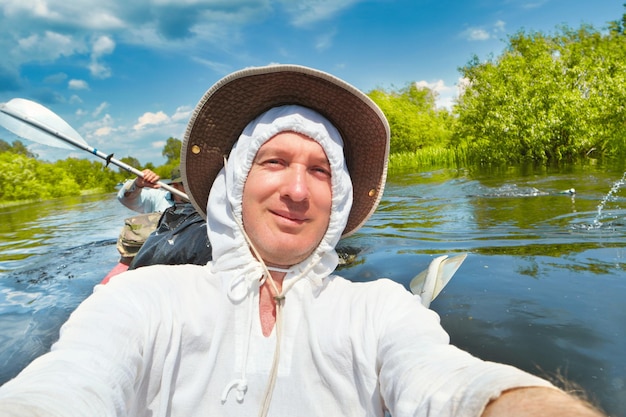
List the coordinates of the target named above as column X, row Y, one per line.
column 277, row 269
column 280, row 300
column 241, row 384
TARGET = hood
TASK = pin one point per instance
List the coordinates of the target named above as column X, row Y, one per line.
column 224, row 207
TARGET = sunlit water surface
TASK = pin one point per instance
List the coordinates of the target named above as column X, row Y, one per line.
column 542, row 288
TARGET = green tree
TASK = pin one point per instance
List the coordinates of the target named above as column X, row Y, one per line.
column 171, row 151
column 18, row 178
column 4, row 146
column 90, row 175
column 414, row 120
column 56, row 182
column 17, row 148
column 132, row 161
column 547, row 98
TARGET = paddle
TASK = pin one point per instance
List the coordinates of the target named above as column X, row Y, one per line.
column 429, row 283
column 37, row 123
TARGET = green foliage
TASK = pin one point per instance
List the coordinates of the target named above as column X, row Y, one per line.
column 24, row 178
column 424, row 159
column 129, row 160
column 171, row 151
column 5, row 146
column 414, row 120
column 546, row 99
column 17, row 148
column 90, row 175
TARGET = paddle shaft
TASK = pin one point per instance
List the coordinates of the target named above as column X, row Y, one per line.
column 92, row 150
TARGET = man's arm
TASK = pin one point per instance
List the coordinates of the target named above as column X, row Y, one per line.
column 131, row 197
column 539, row 401
column 148, row 180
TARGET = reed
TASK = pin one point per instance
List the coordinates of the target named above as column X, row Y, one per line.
column 426, row 158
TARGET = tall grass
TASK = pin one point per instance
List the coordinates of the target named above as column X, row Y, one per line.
column 426, row 158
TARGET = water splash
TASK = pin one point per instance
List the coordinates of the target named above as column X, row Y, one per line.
column 608, row 198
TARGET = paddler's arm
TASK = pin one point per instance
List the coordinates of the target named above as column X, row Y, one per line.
column 149, row 180
column 539, row 401
column 130, row 193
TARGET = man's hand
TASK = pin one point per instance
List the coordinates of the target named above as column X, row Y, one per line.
column 537, row 401
column 149, row 179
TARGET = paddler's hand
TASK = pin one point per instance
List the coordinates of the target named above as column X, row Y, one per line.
column 149, row 179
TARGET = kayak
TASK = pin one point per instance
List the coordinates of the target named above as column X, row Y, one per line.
column 117, row 269
column 178, row 237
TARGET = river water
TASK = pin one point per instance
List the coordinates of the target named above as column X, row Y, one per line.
column 542, row 288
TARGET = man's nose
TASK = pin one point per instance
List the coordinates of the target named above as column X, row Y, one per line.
column 296, row 186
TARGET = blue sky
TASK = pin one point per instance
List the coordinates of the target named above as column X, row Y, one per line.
column 127, row 73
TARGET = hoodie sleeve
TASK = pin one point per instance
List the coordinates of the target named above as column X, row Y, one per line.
column 143, row 200
column 420, row 370
column 92, row 370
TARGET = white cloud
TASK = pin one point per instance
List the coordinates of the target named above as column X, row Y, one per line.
column 215, row 66
column 57, row 78
column 103, row 45
column 477, row 34
column 74, row 99
column 305, row 13
column 37, row 30
column 182, row 113
column 78, row 85
column 35, row 7
column 100, row 109
column 325, row 40
column 45, row 47
column 149, row 119
column 446, row 94
column 533, row 5
column 104, row 124
column 103, row 131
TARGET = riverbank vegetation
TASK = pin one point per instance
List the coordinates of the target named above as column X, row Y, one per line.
column 23, row 177
column 547, row 99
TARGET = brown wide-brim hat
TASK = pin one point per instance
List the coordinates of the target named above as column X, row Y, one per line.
column 234, row 101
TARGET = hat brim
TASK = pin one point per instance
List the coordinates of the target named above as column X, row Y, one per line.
column 229, row 105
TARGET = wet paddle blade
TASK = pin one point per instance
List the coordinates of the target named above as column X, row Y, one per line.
column 429, row 283
column 447, row 269
column 22, row 117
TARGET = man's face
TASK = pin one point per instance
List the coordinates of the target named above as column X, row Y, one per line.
column 287, row 199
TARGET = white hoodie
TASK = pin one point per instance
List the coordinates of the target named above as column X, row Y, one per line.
column 187, row 341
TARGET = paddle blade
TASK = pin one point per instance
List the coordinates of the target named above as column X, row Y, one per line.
column 447, row 269
column 34, row 122
column 429, row 283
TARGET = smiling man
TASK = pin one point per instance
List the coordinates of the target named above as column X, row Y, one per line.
column 283, row 161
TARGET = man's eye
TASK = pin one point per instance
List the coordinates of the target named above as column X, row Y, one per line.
column 273, row 162
column 323, row 171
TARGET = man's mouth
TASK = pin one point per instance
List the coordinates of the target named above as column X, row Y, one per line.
column 292, row 217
